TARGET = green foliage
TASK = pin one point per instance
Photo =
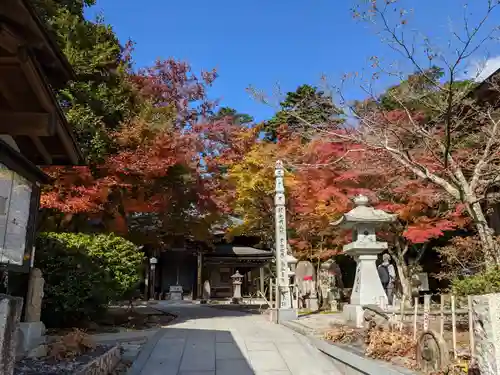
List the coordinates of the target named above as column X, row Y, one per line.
column 422, row 91
column 484, row 282
column 237, row 118
column 306, row 105
column 83, row 273
column 101, row 97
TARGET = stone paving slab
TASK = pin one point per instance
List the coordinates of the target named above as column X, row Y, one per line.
column 206, row 341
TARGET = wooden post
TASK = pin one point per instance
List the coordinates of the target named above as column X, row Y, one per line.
column 471, row 326
column 441, row 316
column 297, row 296
column 261, row 281
column 402, row 311
column 277, row 295
column 415, row 317
column 454, row 326
column 427, row 307
column 271, row 289
column 199, row 281
column 152, row 284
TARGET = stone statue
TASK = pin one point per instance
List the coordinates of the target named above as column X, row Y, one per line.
column 206, row 290
column 328, row 285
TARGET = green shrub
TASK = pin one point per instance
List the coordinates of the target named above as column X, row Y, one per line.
column 484, row 282
column 83, row 273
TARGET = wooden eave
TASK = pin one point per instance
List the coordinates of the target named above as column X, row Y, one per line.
column 21, row 18
column 30, row 113
column 484, row 92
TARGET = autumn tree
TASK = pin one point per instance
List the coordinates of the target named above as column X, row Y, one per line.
column 449, row 139
column 130, row 124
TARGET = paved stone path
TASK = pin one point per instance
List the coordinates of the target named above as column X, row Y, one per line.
column 209, row 341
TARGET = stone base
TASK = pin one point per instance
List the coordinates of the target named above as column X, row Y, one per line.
column 30, row 335
column 175, row 296
column 38, row 352
column 283, row 315
column 312, row 304
column 333, row 305
column 353, row 314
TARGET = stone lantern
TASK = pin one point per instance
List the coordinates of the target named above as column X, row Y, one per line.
column 367, row 289
column 237, row 280
column 153, row 261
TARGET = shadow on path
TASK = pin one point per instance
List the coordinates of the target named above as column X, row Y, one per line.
column 177, row 351
column 186, row 311
column 209, row 341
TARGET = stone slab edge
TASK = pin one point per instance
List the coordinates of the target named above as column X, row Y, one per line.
column 145, row 353
column 111, row 338
column 299, row 328
column 359, row 363
column 103, row 364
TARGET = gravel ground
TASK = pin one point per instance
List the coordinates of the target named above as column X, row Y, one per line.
column 51, row 366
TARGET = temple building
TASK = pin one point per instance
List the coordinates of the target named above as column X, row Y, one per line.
column 189, row 264
column 33, row 132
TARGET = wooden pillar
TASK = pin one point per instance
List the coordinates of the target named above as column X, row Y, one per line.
column 199, row 281
column 152, row 285
column 262, row 285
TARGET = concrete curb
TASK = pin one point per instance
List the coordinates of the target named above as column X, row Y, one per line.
column 145, row 353
column 346, row 359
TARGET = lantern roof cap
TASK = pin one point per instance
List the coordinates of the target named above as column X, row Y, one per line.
column 364, row 214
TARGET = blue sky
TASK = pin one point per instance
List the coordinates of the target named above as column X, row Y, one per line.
column 262, row 43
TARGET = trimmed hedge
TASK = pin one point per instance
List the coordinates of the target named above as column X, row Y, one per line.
column 83, row 273
column 484, row 282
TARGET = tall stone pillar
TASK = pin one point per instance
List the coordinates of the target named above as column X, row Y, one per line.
column 285, row 310
column 10, row 314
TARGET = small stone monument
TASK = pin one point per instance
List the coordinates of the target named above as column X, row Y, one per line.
column 32, row 330
column 431, row 352
column 367, row 289
column 328, row 285
column 206, row 290
column 10, row 314
column 237, row 277
column 486, row 323
column 175, row 292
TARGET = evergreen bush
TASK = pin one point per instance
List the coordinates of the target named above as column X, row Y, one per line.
column 83, row 273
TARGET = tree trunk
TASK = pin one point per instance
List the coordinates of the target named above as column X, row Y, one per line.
column 403, row 276
column 485, row 233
